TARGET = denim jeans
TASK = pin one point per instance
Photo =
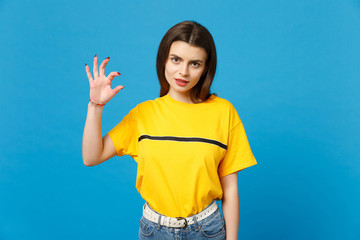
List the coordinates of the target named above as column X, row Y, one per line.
column 212, row 227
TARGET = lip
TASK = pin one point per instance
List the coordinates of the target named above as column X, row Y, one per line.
column 181, row 82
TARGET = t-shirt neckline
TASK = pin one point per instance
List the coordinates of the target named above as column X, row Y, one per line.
column 167, row 96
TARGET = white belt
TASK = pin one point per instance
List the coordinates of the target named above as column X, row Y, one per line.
column 178, row 222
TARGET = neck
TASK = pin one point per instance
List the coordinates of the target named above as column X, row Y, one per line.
column 181, row 97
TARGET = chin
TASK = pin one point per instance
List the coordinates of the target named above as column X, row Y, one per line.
column 181, row 90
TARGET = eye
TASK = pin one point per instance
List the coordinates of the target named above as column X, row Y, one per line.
column 196, row 64
column 175, row 59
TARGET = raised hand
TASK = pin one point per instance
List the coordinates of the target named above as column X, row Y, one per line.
column 100, row 85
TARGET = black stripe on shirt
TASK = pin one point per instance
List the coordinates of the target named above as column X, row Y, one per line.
column 183, row 139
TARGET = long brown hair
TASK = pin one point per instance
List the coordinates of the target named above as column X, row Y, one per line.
column 197, row 35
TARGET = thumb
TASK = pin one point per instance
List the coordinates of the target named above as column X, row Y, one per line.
column 117, row 89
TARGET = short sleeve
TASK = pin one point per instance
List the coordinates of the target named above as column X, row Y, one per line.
column 125, row 135
column 238, row 154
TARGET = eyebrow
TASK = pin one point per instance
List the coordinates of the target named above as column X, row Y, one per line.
column 195, row 60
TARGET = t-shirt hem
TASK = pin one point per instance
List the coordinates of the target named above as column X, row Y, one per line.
column 112, row 137
column 250, row 163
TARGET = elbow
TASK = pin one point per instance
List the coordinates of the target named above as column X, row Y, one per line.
column 88, row 162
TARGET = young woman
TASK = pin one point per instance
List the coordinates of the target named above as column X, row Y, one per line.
column 189, row 144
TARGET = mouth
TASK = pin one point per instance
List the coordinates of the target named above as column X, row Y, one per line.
column 181, row 82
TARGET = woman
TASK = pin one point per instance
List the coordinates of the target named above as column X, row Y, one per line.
column 189, row 144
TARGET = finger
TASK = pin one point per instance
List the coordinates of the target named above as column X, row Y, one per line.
column 117, row 89
column 103, row 65
column 95, row 69
column 112, row 75
column 88, row 74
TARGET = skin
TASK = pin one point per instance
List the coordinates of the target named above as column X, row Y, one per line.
column 96, row 149
column 185, row 62
column 230, row 205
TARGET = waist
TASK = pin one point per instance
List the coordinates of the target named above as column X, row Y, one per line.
column 178, row 222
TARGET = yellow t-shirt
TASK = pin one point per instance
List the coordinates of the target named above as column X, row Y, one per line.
column 182, row 150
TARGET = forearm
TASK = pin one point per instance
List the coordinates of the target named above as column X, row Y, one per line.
column 230, row 205
column 92, row 140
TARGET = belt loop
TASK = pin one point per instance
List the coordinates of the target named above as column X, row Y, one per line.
column 159, row 225
column 196, row 224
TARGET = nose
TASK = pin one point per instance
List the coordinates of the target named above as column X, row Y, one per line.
column 184, row 70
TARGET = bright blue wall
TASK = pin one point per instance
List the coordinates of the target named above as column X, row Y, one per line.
column 291, row 68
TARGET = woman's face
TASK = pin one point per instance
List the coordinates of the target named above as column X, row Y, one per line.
column 183, row 69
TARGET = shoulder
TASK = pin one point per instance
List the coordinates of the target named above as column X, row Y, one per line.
column 226, row 108
column 221, row 102
column 147, row 106
column 150, row 103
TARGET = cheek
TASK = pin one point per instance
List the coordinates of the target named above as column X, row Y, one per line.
column 170, row 71
column 167, row 74
column 170, row 68
column 198, row 74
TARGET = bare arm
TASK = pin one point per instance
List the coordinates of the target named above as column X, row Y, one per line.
column 96, row 149
column 230, row 205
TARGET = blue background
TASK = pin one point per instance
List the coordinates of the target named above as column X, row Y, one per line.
column 291, row 69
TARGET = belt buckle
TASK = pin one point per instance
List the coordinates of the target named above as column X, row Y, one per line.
column 186, row 223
